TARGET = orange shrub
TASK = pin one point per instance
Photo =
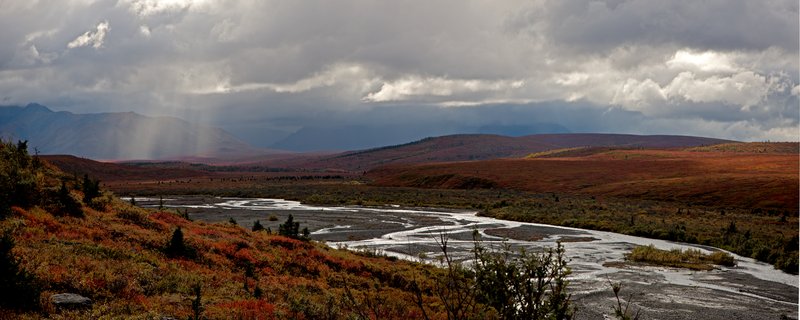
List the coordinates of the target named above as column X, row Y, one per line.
column 169, row 218
column 245, row 310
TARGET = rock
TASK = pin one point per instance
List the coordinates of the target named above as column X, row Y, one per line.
column 70, row 301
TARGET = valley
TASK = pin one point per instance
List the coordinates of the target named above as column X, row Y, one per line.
column 599, row 202
column 595, row 258
column 742, row 201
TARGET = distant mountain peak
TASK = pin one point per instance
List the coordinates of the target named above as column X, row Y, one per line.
column 35, row 107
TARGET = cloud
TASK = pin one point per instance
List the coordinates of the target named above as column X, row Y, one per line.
column 744, row 89
column 340, row 74
column 708, row 61
column 412, row 87
column 95, row 39
column 713, row 66
column 706, row 25
column 145, row 8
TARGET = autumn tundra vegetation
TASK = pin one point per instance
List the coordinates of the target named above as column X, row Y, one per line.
column 740, row 197
column 63, row 234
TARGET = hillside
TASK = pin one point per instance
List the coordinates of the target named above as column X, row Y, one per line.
column 481, row 147
column 709, row 178
column 752, row 147
column 64, row 236
column 117, row 135
column 107, row 171
column 361, row 137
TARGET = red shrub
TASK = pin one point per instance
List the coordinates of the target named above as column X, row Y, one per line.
column 248, row 309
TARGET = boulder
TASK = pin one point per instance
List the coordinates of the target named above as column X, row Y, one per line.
column 70, row 301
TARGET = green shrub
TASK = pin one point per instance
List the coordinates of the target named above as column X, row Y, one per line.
column 526, row 286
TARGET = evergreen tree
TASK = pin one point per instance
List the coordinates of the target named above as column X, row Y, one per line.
column 289, row 228
column 91, row 189
column 197, row 304
column 18, row 183
column 66, row 203
column 176, row 246
column 257, row 226
column 17, row 287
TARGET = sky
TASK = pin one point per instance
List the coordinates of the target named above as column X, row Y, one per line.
column 265, row 69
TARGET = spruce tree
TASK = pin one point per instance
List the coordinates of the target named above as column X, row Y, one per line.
column 91, row 189
column 18, row 289
column 176, row 246
column 257, row 226
column 289, row 228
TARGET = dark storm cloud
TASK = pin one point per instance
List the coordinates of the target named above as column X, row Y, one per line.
column 714, row 24
column 265, row 69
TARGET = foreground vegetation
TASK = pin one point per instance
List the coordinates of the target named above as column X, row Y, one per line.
column 690, row 258
column 62, row 234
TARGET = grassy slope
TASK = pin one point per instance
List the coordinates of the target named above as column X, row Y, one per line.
column 464, row 147
column 107, row 171
column 705, row 178
column 115, row 258
column 115, row 255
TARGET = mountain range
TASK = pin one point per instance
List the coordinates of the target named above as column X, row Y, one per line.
column 114, row 136
column 131, row 136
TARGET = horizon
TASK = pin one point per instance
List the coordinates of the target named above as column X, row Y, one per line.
column 199, row 158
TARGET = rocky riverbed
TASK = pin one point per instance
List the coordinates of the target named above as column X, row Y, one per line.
column 750, row 290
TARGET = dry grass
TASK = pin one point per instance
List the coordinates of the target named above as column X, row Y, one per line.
column 689, row 258
column 720, row 179
column 752, row 147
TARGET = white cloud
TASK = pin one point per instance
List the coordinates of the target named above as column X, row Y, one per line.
column 144, row 30
column 709, row 61
column 95, row 39
column 416, row 86
column 339, row 74
column 745, row 88
column 145, row 8
column 639, row 95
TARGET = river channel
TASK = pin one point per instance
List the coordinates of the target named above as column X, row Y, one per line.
column 750, row 290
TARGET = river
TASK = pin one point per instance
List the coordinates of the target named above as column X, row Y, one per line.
column 750, row 290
